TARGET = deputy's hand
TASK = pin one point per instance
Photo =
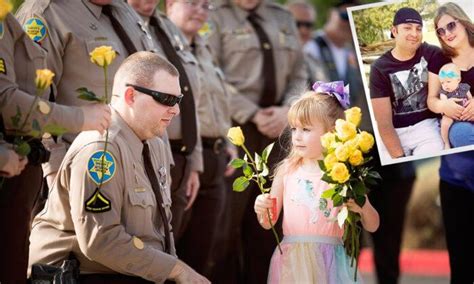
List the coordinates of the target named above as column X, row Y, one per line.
column 182, row 273
column 232, row 153
column 96, row 117
column 14, row 165
column 192, row 188
column 468, row 112
column 274, row 121
column 452, row 109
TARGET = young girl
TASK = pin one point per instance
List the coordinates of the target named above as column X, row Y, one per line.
column 312, row 245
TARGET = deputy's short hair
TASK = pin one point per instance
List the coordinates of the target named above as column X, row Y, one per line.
column 140, row 68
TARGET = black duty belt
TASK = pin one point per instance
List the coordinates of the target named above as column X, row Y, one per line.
column 217, row 144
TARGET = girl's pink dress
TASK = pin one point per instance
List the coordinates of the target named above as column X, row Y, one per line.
column 312, row 243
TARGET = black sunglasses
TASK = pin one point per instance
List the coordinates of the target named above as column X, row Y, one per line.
column 305, row 24
column 450, row 27
column 162, row 98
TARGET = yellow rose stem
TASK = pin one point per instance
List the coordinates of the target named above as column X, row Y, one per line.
column 106, row 131
column 35, row 101
column 260, row 186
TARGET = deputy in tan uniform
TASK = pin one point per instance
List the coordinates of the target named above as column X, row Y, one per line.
column 69, row 31
column 20, row 58
column 187, row 157
column 256, row 44
column 197, row 247
column 115, row 216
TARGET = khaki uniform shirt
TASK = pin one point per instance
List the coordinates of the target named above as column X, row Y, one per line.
column 236, row 47
column 126, row 239
column 213, row 108
column 19, row 59
column 190, row 65
column 69, row 31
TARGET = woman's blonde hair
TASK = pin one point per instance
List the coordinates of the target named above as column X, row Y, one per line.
column 310, row 108
column 457, row 13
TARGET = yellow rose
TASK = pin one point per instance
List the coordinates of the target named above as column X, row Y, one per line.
column 366, row 141
column 356, row 158
column 44, row 78
column 342, row 152
column 329, row 161
column 5, row 8
column 345, row 130
column 353, row 115
column 236, row 136
column 102, row 55
column 328, row 139
column 339, row 173
column 352, row 144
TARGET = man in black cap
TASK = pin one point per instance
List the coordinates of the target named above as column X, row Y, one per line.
column 399, row 89
column 392, row 74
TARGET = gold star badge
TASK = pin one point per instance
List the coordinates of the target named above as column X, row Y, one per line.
column 101, row 167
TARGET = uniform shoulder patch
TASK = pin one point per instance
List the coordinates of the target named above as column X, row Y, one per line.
column 35, row 28
column 3, row 68
column 97, row 203
column 2, row 29
column 101, row 167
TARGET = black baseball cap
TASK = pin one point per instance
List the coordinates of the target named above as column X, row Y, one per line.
column 406, row 16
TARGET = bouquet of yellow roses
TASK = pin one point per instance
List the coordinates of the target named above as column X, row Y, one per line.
column 345, row 169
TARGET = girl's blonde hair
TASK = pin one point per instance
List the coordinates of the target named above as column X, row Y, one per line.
column 310, row 108
column 457, row 13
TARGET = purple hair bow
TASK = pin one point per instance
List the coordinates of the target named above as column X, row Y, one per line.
column 335, row 89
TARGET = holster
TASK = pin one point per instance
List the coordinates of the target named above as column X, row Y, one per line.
column 67, row 273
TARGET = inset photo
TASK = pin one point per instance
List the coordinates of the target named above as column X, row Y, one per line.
column 418, row 89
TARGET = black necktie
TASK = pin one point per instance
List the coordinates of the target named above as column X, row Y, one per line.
column 188, row 108
column 150, row 172
column 119, row 30
column 268, row 68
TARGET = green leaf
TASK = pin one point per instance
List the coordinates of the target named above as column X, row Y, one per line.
column 266, row 152
column 337, row 200
column 374, row 175
column 36, row 129
column 322, row 166
column 240, row 184
column 359, row 189
column 237, row 163
column 328, row 193
column 248, row 172
column 258, row 162
column 265, row 170
column 327, row 178
column 22, row 148
column 360, row 200
column 16, row 118
column 86, row 95
column 54, row 129
column 371, row 181
column 263, row 180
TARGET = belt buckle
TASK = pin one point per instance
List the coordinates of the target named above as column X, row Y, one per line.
column 218, row 145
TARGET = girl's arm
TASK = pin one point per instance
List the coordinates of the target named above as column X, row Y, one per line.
column 263, row 201
column 369, row 216
column 435, row 104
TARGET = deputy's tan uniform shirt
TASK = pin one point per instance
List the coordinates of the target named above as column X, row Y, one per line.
column 73, row 30
column 213, row 108
column 237, row 49
column 107, row 242
column 190, row 65
column 19, row 59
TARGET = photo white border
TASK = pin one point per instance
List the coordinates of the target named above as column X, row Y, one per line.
column 384, row 161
